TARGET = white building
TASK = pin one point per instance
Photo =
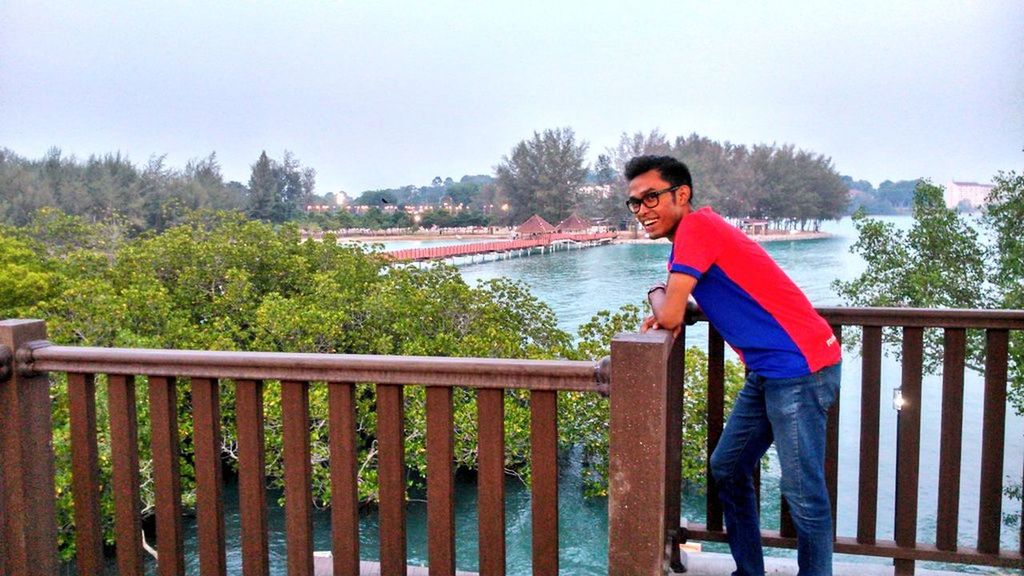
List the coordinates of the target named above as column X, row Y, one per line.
column 596, row 190
column 970, row 193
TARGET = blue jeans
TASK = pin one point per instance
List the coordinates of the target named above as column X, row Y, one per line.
column 793, row 413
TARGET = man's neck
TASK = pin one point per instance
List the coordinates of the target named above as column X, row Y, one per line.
column 672, row 233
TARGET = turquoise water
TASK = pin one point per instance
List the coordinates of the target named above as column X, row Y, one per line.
column 579, row 283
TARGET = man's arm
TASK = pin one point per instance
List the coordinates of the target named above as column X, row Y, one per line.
column 669, row 303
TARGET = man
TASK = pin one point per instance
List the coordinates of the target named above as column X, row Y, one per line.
column 792, row 356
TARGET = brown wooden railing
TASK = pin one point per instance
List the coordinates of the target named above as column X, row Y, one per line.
column 27, row 476
column 646, row 372
column 905, row 548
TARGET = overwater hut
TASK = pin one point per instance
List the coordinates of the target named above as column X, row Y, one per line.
column 574, row 223
column 535, row 226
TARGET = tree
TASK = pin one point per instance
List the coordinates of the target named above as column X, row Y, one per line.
column 608, row 205
column 264, row 193
column 221, row 282
column 23, row 275
column 638, row 144
column 542, row 175
column 295, row 186
column 944, row 262
column 1004, row 218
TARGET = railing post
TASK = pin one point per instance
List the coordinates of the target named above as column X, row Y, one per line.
column 645, row 381
column 29, row 530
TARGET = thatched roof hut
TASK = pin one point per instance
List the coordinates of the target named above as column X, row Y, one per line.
column 574, row 223
column 535, row 225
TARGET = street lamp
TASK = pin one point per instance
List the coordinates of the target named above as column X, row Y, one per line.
column 897, row 399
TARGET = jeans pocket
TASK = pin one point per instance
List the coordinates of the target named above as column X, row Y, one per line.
column 826, row 386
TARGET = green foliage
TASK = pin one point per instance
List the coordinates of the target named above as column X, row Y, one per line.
column 791, row 188
column 938, row 263
column 110, row 187
column 279, row 190
column 944, row 262
column 23, row 276
column 542, row 175
column 584, row 418
column 221, row 282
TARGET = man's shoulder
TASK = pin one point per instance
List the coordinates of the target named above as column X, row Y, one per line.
column 705, row 220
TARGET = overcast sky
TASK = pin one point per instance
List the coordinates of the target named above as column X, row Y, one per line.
column 379, row 94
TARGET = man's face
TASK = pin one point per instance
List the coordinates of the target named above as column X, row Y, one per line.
column 661, row 220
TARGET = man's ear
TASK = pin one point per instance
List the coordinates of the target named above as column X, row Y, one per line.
column 683, row 195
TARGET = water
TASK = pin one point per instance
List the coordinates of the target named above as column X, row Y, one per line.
column 577, row 284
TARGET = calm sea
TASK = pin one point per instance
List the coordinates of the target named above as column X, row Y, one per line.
column 579, row 283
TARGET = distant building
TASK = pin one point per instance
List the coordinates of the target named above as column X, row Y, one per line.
column 535, row 226
column 596, row 191
column 574, row 223
column 971, row 194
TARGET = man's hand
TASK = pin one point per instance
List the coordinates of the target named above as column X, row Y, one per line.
column 668, row 303
column 651, row 323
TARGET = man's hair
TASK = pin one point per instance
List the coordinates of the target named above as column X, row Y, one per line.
column 672, row 171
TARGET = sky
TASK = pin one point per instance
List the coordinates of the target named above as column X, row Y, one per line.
column 384, row 94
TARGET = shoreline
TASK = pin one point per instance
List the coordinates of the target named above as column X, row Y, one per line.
column 623, row 238
column 759, row 238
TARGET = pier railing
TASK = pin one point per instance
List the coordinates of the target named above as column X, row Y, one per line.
column 646, row 376
column 542, row 242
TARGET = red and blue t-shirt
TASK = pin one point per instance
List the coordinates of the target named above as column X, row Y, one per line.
column 756, row 308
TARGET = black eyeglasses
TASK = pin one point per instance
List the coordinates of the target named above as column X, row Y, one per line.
column 649, row 199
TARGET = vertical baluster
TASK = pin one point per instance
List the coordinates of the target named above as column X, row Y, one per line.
column 490, row 406
column 832, row 444
column 163, row 415
column 124, row 451
column 209, row 483
column 993, row 433
column 252, row 494
column 7, row 554
column 870, row 399
column 440, row 481
column 298, row 495
column 951, row 431
column 674, row 443
column 344, row 482
column 544, row 480
column 716, row 419
column 85, row 475
column 391, row 478
column 787, row 529
column 908, row 447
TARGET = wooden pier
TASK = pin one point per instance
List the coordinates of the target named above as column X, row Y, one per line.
column 501, row 249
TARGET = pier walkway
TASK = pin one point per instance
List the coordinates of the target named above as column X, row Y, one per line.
column 505, row 248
